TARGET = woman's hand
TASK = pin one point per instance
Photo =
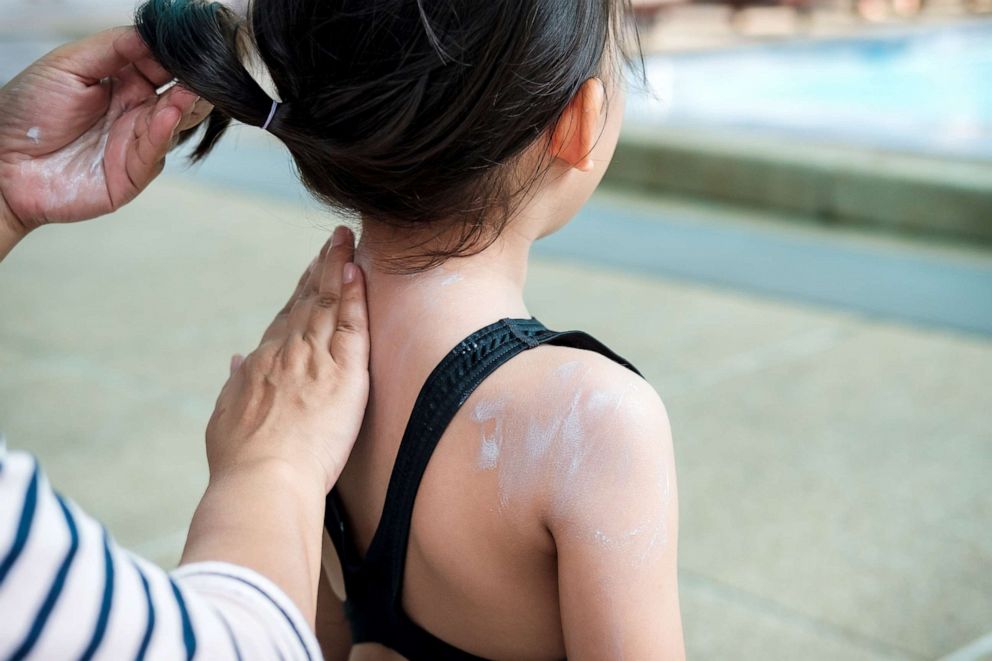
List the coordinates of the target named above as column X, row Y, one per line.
column 82, row 131
column 283, row 428
column 299, row 399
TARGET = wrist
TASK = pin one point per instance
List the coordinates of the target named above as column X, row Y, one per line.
column 266, row 515
column 307, row 479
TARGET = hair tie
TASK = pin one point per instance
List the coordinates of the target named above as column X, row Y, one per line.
column 272, row 114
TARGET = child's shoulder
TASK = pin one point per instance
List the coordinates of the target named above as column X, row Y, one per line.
column 574, row 391
column 573, row 376
column 571, row 425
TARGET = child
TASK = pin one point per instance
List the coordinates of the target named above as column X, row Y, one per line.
column 512, row 493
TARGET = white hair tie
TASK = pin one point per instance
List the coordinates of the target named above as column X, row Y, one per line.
column 272, row 114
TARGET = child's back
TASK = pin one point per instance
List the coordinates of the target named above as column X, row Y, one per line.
column 560, row 456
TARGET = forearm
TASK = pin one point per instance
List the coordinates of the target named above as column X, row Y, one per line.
column 11, row 229
column 268, row 518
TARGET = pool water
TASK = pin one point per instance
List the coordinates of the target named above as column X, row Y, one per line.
column 923, row 90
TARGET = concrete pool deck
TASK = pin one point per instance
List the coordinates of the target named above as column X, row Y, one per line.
column 833, row 467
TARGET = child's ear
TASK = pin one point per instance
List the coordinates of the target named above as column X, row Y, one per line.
column 579, row 127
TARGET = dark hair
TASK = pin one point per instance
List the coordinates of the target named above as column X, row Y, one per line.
column 407, row 112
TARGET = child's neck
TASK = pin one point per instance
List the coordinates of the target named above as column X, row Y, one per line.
column 461, row 295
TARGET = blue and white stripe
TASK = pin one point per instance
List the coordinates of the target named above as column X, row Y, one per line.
column 68, row 591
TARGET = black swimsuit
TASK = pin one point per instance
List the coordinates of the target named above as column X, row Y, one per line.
column 375, row 585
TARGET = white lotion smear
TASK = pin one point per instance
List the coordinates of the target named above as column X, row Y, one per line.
column 566, row 449
column 490, row 417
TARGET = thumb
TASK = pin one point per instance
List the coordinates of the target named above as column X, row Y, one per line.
column 236, row 361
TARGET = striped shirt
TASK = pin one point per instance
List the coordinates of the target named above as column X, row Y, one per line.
column 67, row 591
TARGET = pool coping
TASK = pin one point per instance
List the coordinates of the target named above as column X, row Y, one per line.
column 832, row 183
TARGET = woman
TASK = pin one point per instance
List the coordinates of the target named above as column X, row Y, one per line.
column 512, row 492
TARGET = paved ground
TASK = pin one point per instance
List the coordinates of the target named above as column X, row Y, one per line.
column 784, row 255
column 833, row 468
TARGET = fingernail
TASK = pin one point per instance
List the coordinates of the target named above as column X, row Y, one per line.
column 340, row 236
column 350, row 273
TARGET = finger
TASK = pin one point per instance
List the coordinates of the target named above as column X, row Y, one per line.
column 299, row 316
column 196, row 115
column 145, row 73
column 193, row 108
column 153, row 72
column 132, row 88
column 323, row 315
column 101, row 55
column 149, row 144
column 277, row 328
column 350, row 342
column 236, row 362
column 301, row 287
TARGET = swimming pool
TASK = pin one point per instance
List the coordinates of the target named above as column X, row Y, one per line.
column 923, row 90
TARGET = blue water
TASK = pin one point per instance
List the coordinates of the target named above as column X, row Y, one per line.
column 923, row 90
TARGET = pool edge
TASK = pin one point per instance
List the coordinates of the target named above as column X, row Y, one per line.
column 828, row 182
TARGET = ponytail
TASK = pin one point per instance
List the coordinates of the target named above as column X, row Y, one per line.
column 415, row 114
column 197, row 41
